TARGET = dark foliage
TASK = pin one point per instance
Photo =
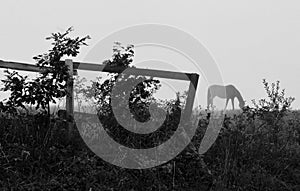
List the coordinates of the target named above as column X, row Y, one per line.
column 52, row 81
column 244, row 157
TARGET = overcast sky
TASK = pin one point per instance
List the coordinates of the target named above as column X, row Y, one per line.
column 249, row 39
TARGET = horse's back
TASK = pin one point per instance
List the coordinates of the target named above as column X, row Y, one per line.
column 217, row 90
column 216, row 87
column 231, row 88
column 221, row 91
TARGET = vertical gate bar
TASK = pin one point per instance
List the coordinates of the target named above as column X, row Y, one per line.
column 70, row 96
column 70, row 99
column 191, row 96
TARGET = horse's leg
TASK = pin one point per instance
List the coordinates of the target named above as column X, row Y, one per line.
column 209, row 99
column 208, row 103
column 211, row 103
column 226, row 103
column 232, row 101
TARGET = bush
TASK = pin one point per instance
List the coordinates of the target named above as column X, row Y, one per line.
column 258, row 149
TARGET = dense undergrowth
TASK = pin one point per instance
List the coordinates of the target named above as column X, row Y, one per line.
column 35, row 155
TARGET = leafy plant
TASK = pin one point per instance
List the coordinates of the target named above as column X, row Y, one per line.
column 257, row 149
column 140, row 96
column 277, row 101
column 272, row 111
column 79, row 91
column 52, row 81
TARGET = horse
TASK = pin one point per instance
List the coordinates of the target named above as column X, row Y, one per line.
column 228, row 92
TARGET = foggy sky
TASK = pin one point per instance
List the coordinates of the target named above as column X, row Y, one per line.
column 250, row 40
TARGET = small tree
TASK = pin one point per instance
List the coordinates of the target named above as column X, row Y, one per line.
column 140, row 96
column 79, row 90
column 272, row 111
column 276, row 105
column 52, row 81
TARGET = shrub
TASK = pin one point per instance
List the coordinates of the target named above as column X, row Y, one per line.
column 256, row 149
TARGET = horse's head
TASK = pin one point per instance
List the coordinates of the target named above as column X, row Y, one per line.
column 242, row 104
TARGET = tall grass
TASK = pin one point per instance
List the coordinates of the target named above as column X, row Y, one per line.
column 34, row 155
column 258, row 148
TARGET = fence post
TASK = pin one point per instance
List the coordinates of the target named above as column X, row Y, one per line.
column 70, row 99
column 191, row 96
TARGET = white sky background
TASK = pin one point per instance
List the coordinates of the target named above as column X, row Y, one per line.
column 249, row 39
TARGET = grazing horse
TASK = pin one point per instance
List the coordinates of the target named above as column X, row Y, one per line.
column 226, row 92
